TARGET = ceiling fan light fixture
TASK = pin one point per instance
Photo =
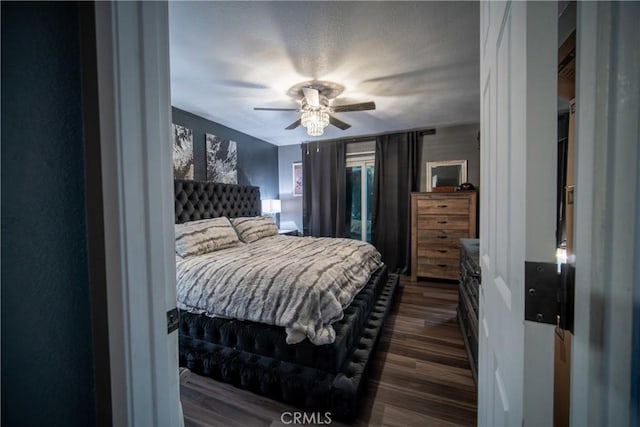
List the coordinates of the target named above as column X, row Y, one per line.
column 315, row 119
column 316, row 111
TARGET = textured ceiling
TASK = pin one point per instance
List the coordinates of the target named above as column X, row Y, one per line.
column 418, row 61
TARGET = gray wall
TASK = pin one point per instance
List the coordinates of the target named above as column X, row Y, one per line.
column 257, row 159
column 452, row 143
column 291, row 216
column 47, row 359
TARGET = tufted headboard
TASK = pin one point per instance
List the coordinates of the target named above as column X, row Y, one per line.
column 196, row 200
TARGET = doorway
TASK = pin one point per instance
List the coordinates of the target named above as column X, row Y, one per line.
column 360, row 171
column 143, row 383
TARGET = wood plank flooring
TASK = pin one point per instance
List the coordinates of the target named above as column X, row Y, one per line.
column 420, row 374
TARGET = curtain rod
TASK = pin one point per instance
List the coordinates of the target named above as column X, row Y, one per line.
column 365, row 138
column 360, row 153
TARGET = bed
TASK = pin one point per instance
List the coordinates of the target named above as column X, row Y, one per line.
column 256, row 356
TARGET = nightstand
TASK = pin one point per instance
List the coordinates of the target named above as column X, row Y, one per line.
column 288, row 232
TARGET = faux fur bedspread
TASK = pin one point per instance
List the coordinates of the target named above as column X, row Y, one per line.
column 300, row 283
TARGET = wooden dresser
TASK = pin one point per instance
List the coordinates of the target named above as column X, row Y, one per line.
column 438, row 222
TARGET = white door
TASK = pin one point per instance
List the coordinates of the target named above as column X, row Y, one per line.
column 518, row 71
column 132, row 41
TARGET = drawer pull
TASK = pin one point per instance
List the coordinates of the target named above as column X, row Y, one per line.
column 442, row 265
column 443, row 251
column 442, row 222
column 442, row 237
column 443, row 206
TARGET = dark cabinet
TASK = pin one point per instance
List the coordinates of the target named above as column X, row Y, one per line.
column 469, row 287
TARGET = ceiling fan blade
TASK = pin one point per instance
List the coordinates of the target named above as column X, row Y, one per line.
column 274, row 109
column 363, row 106
column 294, row 125
column 312, row 96
column 339, row 123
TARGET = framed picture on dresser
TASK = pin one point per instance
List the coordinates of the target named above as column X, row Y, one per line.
column 447, row 174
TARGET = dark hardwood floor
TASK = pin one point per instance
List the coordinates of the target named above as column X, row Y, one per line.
column 420, row 374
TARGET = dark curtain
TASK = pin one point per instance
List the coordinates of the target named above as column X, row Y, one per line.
column 396, row 176
column 561, row 209
column 324, row 207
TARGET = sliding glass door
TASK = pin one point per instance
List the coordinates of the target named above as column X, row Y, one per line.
column 360, row 170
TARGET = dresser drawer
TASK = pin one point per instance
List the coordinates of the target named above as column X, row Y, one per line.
column 443, row 206
column 443, row 222
column 438, row 267
column 441, row 238
column 434, row 251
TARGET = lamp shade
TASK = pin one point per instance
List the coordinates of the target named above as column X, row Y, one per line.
column 271, row 206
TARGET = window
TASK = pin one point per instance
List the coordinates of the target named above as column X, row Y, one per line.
column 360, row 170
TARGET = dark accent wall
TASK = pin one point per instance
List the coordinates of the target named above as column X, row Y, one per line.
column 47, row 360
column 257, row 159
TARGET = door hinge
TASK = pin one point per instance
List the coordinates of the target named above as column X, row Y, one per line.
column 548, row 296
column 173, row 319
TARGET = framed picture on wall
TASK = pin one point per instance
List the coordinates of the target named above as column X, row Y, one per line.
column 182, row 152
column 297, row 179
column 222, row 159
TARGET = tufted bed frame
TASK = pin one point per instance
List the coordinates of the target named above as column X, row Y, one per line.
column 254, row 356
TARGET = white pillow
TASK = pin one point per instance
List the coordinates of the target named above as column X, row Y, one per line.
column 254, row 228
column 208, row 235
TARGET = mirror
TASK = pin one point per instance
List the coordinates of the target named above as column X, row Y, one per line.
column 446, row 175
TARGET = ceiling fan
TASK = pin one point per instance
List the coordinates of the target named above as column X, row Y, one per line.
column 316, row 109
